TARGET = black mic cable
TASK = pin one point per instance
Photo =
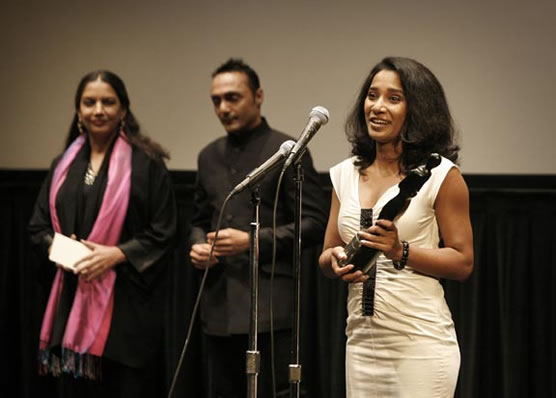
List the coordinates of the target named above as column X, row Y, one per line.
column 272, row 270
column 318, row 117
column 198, row 299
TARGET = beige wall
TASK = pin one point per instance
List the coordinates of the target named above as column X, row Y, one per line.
column 496, row 60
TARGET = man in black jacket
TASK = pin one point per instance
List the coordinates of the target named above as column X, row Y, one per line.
column 225, row 306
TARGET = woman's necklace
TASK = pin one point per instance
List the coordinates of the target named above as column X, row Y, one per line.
column 90, row 175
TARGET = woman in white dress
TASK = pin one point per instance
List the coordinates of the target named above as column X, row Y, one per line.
column 401, row 340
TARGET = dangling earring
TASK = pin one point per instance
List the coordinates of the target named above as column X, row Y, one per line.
column 80, row 126
column 122, row 125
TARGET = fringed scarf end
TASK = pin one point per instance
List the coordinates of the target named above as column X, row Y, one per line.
column 79, row 365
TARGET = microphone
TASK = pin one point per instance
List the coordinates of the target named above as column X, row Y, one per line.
column 317, row 117
column 258, row 173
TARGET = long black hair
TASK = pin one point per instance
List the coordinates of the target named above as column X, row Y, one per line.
column 428, row 125
column 131, row 125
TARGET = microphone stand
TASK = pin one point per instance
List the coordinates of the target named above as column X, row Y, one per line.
column 295, row 366
column 252, row 354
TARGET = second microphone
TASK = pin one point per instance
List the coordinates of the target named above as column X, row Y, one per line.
column 258, row 173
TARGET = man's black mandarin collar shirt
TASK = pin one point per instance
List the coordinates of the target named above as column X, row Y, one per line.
column 221, row 166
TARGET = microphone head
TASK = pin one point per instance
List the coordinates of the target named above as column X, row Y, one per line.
column 286, row 147
column 321, row 113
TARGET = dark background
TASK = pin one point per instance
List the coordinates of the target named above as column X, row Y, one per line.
column 504, row 313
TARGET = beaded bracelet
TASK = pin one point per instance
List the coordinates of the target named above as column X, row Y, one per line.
column 405, row 253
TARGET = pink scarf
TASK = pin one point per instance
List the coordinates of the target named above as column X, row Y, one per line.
column 91, row 312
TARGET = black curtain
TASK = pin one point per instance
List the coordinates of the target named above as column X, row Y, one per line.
column 504, row 313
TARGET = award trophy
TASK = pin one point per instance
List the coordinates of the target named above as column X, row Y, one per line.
column 364, row 258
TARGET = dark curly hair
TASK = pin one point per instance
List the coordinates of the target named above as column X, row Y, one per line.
column 428, row 125
column 131, row 125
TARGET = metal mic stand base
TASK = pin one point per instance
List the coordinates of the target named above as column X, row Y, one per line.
column 252, row 365
column 252, row 356
column 295, row 367
column 295, row 379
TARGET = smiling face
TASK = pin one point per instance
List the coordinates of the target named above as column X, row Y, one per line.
column 385, row 107
column 235, row 104
column 100, row 110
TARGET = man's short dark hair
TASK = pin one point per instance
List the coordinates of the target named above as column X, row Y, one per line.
column 237, row 65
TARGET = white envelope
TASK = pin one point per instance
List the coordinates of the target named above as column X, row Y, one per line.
column 67, row 251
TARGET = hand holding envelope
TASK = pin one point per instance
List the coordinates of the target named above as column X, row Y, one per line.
column 67, row 252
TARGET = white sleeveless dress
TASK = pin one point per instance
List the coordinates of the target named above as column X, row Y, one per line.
column 408, row 348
